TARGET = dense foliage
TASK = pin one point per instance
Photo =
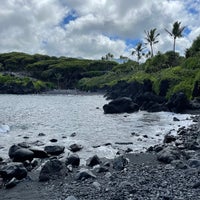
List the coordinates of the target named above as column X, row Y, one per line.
column 61, row 72
column 169, row 72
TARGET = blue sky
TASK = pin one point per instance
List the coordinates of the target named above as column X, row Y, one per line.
column 91, row 28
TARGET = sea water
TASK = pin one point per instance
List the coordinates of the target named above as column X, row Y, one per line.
column 24, row 117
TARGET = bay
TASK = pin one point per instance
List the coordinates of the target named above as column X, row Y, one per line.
column 58, row 116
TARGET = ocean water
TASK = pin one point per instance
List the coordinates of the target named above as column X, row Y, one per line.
column 23, row 117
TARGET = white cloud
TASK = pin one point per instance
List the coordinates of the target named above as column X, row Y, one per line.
column 36, row 26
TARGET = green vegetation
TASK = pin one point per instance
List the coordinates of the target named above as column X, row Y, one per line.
column 15, row 84
column 180, row 73
column 61, row 72
column 169, row 72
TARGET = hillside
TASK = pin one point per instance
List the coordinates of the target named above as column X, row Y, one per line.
column 169, row 73
column 22, row 73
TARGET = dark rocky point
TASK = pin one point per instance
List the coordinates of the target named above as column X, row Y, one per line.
column 120, row 105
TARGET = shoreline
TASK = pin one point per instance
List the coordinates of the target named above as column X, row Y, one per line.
column 71, row 92
column 142, row 177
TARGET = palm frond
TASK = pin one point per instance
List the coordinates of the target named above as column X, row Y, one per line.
column 168, row 32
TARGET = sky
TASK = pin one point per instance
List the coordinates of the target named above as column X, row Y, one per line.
column 92, row 28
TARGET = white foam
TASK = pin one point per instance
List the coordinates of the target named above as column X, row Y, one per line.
column 4, row 128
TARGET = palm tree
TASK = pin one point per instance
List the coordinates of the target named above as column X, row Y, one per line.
column 109, row 56
column 151, row 37
column 176, row 33
column 138, row 51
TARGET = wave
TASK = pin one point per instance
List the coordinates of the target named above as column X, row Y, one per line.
column 4, row 128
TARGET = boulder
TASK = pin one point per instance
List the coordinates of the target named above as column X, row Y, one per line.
column 22, row 154
column 12, row 150
column 84, row 174
column 54, row 150
column 52, row 168
column 178, row 103
column 75, row 147
column 12, row 183
column 12, row 170
column 39, row 153
column 122, row 89
column 168, row 154
column 120, row 105
column 73, row 160
column 148, row 98
column 119, row 163
column 169, row 138
column 91, row 162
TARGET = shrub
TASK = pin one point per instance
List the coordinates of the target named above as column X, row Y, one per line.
column 192, row 63
column 194, row 50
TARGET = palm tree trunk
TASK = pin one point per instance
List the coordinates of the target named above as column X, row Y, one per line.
column 151, row 50
column 174, row 45
column 174, row 48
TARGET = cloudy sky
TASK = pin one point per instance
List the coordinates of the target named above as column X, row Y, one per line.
column 92, row 28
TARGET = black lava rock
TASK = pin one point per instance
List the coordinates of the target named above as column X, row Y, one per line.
column 51, row 168
column 73, row 160
column 54, row 150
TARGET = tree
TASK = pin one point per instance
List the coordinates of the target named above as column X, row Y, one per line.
column 194, row 50
column 109, row 56
column 138, row 51
column 58, row 77
column 151, row 38
column 176, row 32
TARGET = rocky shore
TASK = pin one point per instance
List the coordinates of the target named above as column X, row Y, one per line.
column 134, row 96
column 167, row 171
